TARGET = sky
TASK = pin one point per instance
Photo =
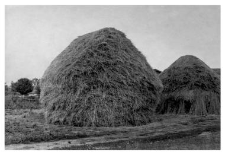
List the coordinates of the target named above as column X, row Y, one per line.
column 35, row 35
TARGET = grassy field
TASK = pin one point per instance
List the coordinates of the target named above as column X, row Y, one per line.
column 26, row 129
column 19, row 102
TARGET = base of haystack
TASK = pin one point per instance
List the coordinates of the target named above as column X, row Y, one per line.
column 200, row 106
column 135, row 119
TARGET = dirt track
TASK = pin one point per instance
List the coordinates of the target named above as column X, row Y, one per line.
column 170, row 127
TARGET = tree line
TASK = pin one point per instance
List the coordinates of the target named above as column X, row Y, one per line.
column 24, row 86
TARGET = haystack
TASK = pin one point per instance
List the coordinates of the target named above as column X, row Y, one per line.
column 100, row 79
column 191, row 87
column 217, row 70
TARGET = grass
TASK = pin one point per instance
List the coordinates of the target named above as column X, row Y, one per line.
column 17, row 102
column 26, row 126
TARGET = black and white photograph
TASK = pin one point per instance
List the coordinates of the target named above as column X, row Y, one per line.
column 112, row 77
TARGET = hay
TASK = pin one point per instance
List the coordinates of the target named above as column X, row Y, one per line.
column 100, row 79
column 190, row 87
column 217, row 70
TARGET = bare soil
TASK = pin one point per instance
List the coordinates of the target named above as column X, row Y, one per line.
column 197, row 142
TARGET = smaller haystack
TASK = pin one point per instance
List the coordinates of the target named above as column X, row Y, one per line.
column 191, row 87
column 217, row 70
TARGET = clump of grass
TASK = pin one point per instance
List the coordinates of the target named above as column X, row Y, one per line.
column 190, row 86
column 100, row 79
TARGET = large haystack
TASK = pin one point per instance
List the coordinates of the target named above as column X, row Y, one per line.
column 190, row 86
column 100, row 79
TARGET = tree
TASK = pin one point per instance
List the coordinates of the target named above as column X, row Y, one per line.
column 35, row 82
column 13, row 86
column 37, row 89
column 6, row 89
column 23, row 86
column 36, row 86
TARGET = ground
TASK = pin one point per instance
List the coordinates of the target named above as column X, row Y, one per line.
column 26, row 129
column 210, row 141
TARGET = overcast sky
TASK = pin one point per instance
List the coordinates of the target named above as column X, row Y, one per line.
column 35, row 35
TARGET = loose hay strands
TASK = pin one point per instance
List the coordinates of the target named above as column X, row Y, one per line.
column 217, row 70
column 190, row 86
column 100, row 79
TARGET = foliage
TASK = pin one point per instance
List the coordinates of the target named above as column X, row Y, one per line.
column 6, row 89
column 13, row 86
column 23, row 86
column 37, row 89
column 36, row 86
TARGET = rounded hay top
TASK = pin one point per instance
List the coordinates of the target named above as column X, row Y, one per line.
column 190, row 86
column 100, row 79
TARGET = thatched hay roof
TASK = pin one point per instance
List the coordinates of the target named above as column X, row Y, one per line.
column 190, row 86
column 100, row 79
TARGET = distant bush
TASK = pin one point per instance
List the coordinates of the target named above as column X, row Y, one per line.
column 23, row 86
column 18, row 102
column 6, row 89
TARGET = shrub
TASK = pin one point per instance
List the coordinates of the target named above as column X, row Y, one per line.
column 23, row 86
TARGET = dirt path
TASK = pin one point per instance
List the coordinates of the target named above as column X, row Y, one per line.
column 203, row 141
column 176, row 127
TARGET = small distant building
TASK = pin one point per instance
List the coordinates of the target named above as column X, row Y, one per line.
column 157, row 71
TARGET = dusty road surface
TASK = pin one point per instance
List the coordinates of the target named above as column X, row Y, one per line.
column 27, row 130
column 203, row 141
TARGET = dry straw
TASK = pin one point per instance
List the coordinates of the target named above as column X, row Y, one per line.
column 217, row 70
column 190, row 86
column 100, row 79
